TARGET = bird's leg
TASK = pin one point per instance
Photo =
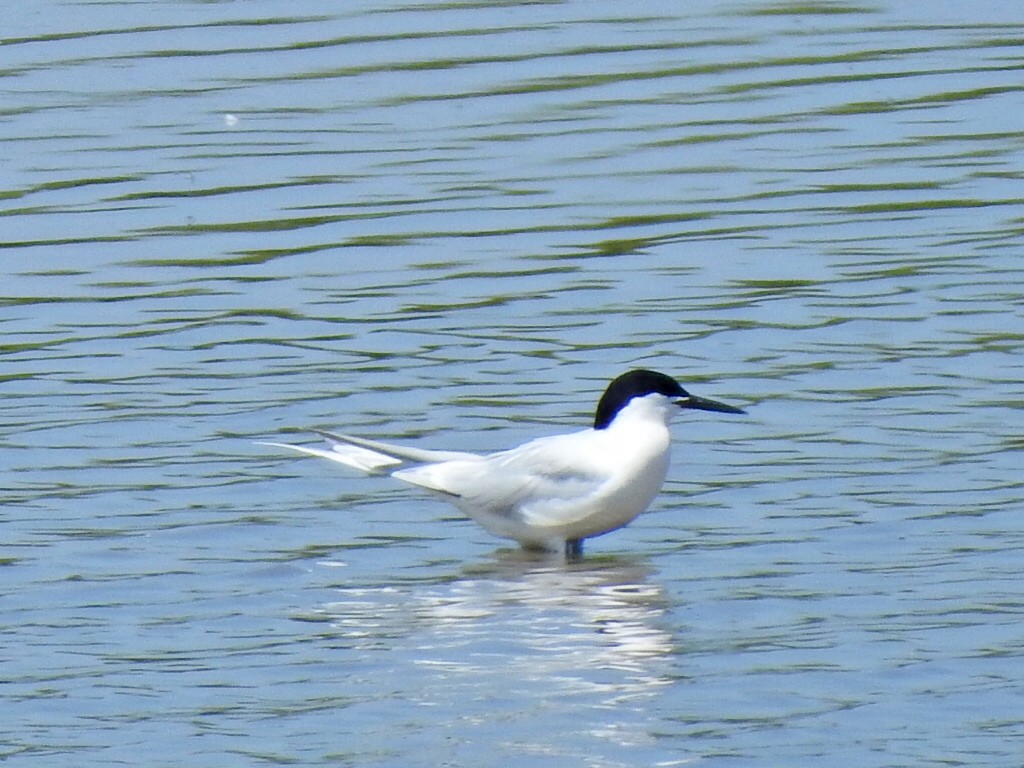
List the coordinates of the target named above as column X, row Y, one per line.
column 573, row 549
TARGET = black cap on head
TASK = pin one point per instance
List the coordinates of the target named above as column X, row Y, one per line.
column 640, row 383
column 630, row 385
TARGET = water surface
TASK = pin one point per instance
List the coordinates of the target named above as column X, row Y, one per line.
column 451, row 224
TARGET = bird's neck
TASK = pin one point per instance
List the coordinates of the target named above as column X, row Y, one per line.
column 644, row 412
column 639, row 432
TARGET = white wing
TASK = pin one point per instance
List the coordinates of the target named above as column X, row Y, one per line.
column 544, row 483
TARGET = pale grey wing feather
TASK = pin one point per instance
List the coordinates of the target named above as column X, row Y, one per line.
column 359, row 458
column 370, row 455
column 415, row 455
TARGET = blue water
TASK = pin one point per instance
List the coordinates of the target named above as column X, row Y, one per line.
column 450, row 224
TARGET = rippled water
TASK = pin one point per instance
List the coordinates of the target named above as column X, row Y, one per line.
column 452, row 223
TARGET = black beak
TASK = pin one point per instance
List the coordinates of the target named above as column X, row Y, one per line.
column 704, row 404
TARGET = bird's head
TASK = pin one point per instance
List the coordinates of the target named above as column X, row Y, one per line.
column 641, row 383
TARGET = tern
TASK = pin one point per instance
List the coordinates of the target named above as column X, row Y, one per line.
column 553, row 492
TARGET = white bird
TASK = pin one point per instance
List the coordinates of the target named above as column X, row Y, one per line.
column 553, row 492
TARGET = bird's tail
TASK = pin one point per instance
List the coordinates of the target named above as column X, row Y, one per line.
column 351, row 455
column 370, row 455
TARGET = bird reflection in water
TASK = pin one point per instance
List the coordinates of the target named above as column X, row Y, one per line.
column 516, row 623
